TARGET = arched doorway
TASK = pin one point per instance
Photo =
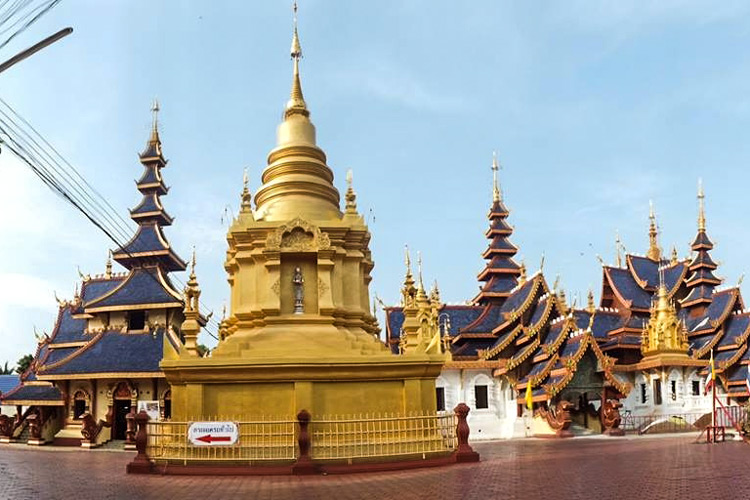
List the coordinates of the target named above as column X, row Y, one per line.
column 80, row 404
column 121, row 402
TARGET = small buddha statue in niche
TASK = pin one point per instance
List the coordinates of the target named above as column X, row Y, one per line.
column 298, row 284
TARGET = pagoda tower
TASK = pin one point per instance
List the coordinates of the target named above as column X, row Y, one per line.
column 300, row 333
column 701, row 281
column 500, row 275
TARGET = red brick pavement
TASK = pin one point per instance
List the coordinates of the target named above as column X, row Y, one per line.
column 633, row 468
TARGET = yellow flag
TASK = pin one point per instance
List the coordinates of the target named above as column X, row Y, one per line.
column 713, row 370
column 529, row 397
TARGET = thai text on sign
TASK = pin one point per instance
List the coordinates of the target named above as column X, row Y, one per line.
column 213, row 433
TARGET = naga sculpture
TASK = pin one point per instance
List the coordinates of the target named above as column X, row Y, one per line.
column 90, row 428
column 558, row 418
column 7, row 425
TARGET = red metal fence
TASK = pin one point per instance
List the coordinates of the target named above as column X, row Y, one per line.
column 730, row 417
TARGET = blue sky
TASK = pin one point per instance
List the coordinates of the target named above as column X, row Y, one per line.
column 594, row 108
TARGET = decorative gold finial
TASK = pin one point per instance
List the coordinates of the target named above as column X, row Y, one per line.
column 246, row 204
column 407, row 259
column 108, row 265
column 496, row 195
column 654, row 252
column 408, row 291
column 675, row 259
column 522, row 277
column 350, row 196
column 591, row 306
column 419, row 270
column 618, row 247
column 541, row 264
column 192, row 267
column 665, row 333
column 155, row 121
column 296, row 104
column 701, row 207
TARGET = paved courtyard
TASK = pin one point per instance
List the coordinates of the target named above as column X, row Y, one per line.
column 634, row 468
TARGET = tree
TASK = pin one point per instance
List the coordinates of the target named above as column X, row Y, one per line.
column 6, row 370
column 24, row 363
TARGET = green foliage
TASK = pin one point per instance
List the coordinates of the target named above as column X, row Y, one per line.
column 23, row 364
column 6, row 370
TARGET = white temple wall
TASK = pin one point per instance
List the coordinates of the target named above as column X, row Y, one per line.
column 682, row 391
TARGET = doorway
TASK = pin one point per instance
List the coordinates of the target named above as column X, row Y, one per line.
column 121, row 409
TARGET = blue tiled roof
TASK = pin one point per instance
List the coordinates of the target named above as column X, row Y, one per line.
column 553, row 335
column 673, row 274
column 737, row 325
column 490, row 319
column 702, row 273
column 605, row 322
column 471, row 348
column 141, row 287
column 115, row 353
column 738, row 373
column 56, row 355
column 571, row 346
column 502, row 262
column 723, row 356
column 502, row 243
column 702, row 258
column 147, row 204
column 517, row 298
column 623, row 282
column 68, row 329
column 500, row 283
column 645, row 269
column 699, row 292
column 150, row 175
column 701, row 341
column 8, row 382
column 147, row 239
column 539, row 310
column 462, row 316
column 33, row 393
column 500, row 224
column 702, row 240
column 96, row 287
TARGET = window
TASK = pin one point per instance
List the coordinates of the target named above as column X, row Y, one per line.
column 644, row 394
column 136, row 320
column 673, row 389
column 696, row 387
column 440, row 393
column 657, row 391
column 480, row 396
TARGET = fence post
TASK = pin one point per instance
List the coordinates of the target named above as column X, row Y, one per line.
column 464, row 452
column 304, row 464
column 140, row 464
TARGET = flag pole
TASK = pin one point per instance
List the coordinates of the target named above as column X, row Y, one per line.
column 713, row 398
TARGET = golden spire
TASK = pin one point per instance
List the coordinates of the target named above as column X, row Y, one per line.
column 155, row 121
column 654, row 252
column 351, row 196
column 419, row 271
column 701, row 207
column 618, row 246
column 664, row 333
column 496, row 195
column 675, row 259
column 192, row 280
column 246, row 204
column 296, row 104
column 408, row 291
column 591, row 306
column 108, row 265
column 522, row 276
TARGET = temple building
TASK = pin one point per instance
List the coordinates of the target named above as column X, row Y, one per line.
column 102, row 356
column 644, row 349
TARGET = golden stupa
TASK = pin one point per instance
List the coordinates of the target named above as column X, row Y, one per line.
column 300, row 334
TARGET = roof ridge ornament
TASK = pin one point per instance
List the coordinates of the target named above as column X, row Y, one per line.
column 246, row 197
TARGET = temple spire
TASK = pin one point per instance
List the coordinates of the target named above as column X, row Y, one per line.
column 155, row 122
column 496, row 195
column 701, row 207
column 350, row 196
column 296, row 104
column 654, row 252
column 246, row 198
column 108, row 265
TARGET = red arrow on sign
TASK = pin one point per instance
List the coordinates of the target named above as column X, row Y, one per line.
column 213, row 439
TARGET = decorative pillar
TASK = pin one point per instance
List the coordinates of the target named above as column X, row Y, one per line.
column 304, row 464
column 140, row 464
column 464, row 453
column 130, row 430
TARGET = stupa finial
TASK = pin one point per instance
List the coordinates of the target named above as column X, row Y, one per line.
column 496, row 194
column 296, row 104
column 701, row 207
column 155, row 121
column 654, row 252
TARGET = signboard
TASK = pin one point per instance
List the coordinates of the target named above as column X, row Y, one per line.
column 213, row 433
column 150, row 407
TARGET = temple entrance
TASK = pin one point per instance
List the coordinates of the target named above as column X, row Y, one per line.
column 121, row 409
